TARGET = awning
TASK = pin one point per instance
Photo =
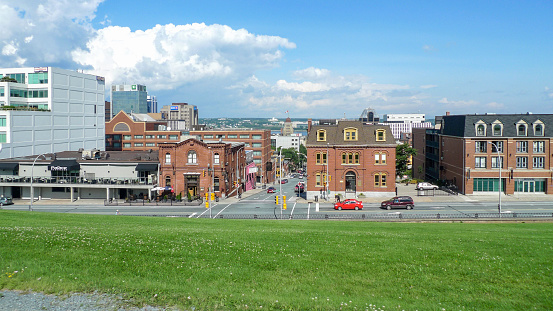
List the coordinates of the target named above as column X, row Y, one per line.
column 8, row 166
column 64, row 165
column 146, row 167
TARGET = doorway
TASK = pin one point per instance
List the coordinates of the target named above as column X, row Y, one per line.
column 351, row 184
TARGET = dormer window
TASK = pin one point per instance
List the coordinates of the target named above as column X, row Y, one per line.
column 480, row 128
column 522, row 128
column 538, row 128
column 321, row 135
column 350, row 134
column 380, row 135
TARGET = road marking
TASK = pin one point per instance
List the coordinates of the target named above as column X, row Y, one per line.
column 293, row 207
column 222, row 210
column 308, row 209
column 192, row 215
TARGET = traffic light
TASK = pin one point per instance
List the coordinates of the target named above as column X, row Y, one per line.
column 213, row 196
column 204, row 173
column 234, row 183
column 284, row 206
column 276, row 199
column 206, row 204
column 206, row 196
column 284, row 202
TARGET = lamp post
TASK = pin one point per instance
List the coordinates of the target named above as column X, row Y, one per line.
column 326, row 176
column 280, row 179
column 31, row 190
column 499, row 165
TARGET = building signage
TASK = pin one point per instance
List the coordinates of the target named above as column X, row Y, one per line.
column 41, row 69
column 252, row 170
column 173, row 108
column 58, row 168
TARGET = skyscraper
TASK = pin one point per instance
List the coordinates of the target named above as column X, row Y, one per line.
column 152, row 104
column 129, row 98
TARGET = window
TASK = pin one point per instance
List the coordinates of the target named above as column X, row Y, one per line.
column 232, row 136
column 138, row 136
column 216, row 184
column 522, row 162
column 127, row 145
column 150, row 137
column 497, row 129
column 538, row 129
column 497, row 146
column 216, row 158
column 481, row 146
column 380, row 180
column 256, row 136
column 487, row 184
column 192, row 157
column 480, row 130
column 350, row 158
column 380, row 135
column 162, row 136
column 38, row 78
column 320, row 158
column 139, row 144
column 257, row 153
column 2, row 120
column 539, row 162
column 257, row 161
column 380, row 158
column 168, row 181
column 257, row 145
column 208, row 136
column 350, row 134
column 320, row 179
column 3, row 137
column 480, row 162
column 321, row 135
column 377, row 180
column 522, row 146
column 244, row 136
column 150, row 144
column 173, row 137
column 167, row 158
column 497, row 161
column 126, row 137
column 521, row 130
column 539, row 146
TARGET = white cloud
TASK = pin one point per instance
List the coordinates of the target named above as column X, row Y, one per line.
column 168, row 56
column 458, row 103
column 428, row 48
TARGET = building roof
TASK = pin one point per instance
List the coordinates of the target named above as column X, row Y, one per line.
column 465, row 125
column 335, row 134
column 105, row 157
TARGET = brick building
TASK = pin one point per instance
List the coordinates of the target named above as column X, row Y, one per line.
column 258, row 141
column 194, row 166
column 125, row 134
column 469, row 150
column 357, row 157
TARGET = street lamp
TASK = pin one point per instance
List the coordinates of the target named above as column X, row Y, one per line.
column 499, row 165
column 32, row 194
column 326, row 176
column 280, row 179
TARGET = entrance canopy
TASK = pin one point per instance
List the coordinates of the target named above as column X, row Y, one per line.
column 8, row 166
column 146, row 167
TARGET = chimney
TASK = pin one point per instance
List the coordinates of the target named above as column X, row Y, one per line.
column 308, row 125
column 447, row 113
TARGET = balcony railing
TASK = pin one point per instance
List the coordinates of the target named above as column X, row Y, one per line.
column 77, row 180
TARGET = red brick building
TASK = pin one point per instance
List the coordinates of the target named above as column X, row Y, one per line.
column 258, row 141
column 125, row 134
column 469, row 151
column 358, row 159
column 194, row 167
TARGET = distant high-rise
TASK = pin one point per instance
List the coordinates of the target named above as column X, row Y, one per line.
column 129, row 98
column 152, row 104
column 180, row 116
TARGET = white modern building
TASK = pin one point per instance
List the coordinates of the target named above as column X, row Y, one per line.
column 404, row 118
column 285, row 142
column 398, row 128
column 50, row 110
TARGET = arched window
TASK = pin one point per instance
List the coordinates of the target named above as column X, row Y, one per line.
column 538, row 128
column 192, row 157
column 380, row 158
column 320, row 158
column 497, row 129
column 321, row 135
column 216, row 158
column 480, row 130
column 521, row 130
column 167, row 158
column 380, row 180
column 168, row 181
column 350, row 158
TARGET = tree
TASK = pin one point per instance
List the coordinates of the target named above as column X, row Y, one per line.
column 403, row 153
column 7, row 79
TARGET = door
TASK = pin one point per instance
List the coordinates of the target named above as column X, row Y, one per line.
column 351, row 182
column 528, row 186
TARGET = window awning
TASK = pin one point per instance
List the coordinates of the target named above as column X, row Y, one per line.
column 8, row 166
column 146, row 167
column 64, row 165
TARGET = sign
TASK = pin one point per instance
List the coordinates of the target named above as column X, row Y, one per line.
column 133, row 87
column 173, row 108
column 41, row 69
column 252, row 170
column 58, row 168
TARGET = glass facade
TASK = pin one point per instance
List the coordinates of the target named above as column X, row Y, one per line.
column 2, row 120
column 487, row 185
column 3, row 137
column 529, row 185
column 129, row 101
column 38, row 78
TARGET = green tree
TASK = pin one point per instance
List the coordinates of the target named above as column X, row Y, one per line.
column 7, row 79
column 403, row 153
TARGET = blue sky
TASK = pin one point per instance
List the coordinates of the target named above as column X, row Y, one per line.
column 319, row 59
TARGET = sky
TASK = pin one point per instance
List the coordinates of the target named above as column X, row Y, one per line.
column 314, row 59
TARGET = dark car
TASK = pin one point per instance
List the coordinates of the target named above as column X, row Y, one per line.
column 349, row 204
column 271, row 190
column 398, row 202
column 5, row 201
column 300, row 187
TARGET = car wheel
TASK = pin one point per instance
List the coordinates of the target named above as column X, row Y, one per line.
column 388, row 207
column 357, row 208
column 409, row 206
column 339, row 208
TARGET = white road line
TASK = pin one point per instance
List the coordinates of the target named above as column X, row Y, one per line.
column 308, row 209
column 293, row 207
column 222, row 210
column 192, row 215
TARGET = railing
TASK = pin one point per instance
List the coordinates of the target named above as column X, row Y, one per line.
column 76, row 180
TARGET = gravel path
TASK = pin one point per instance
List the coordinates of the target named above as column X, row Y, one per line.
column 30, row 301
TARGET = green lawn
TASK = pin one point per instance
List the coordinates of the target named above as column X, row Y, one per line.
column 281, row 265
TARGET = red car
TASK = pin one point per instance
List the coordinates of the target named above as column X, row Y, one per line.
column 271, row 190
column 349, row 204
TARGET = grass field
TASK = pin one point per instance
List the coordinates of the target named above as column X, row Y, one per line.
column 281, row 265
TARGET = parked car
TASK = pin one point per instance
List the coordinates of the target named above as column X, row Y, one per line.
column 349, row 204
column 271, row 190
column 426, row 186
column 398, row 202
column 283, row 181
column 300, row 187
column 5, row 201
column 301, row 176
